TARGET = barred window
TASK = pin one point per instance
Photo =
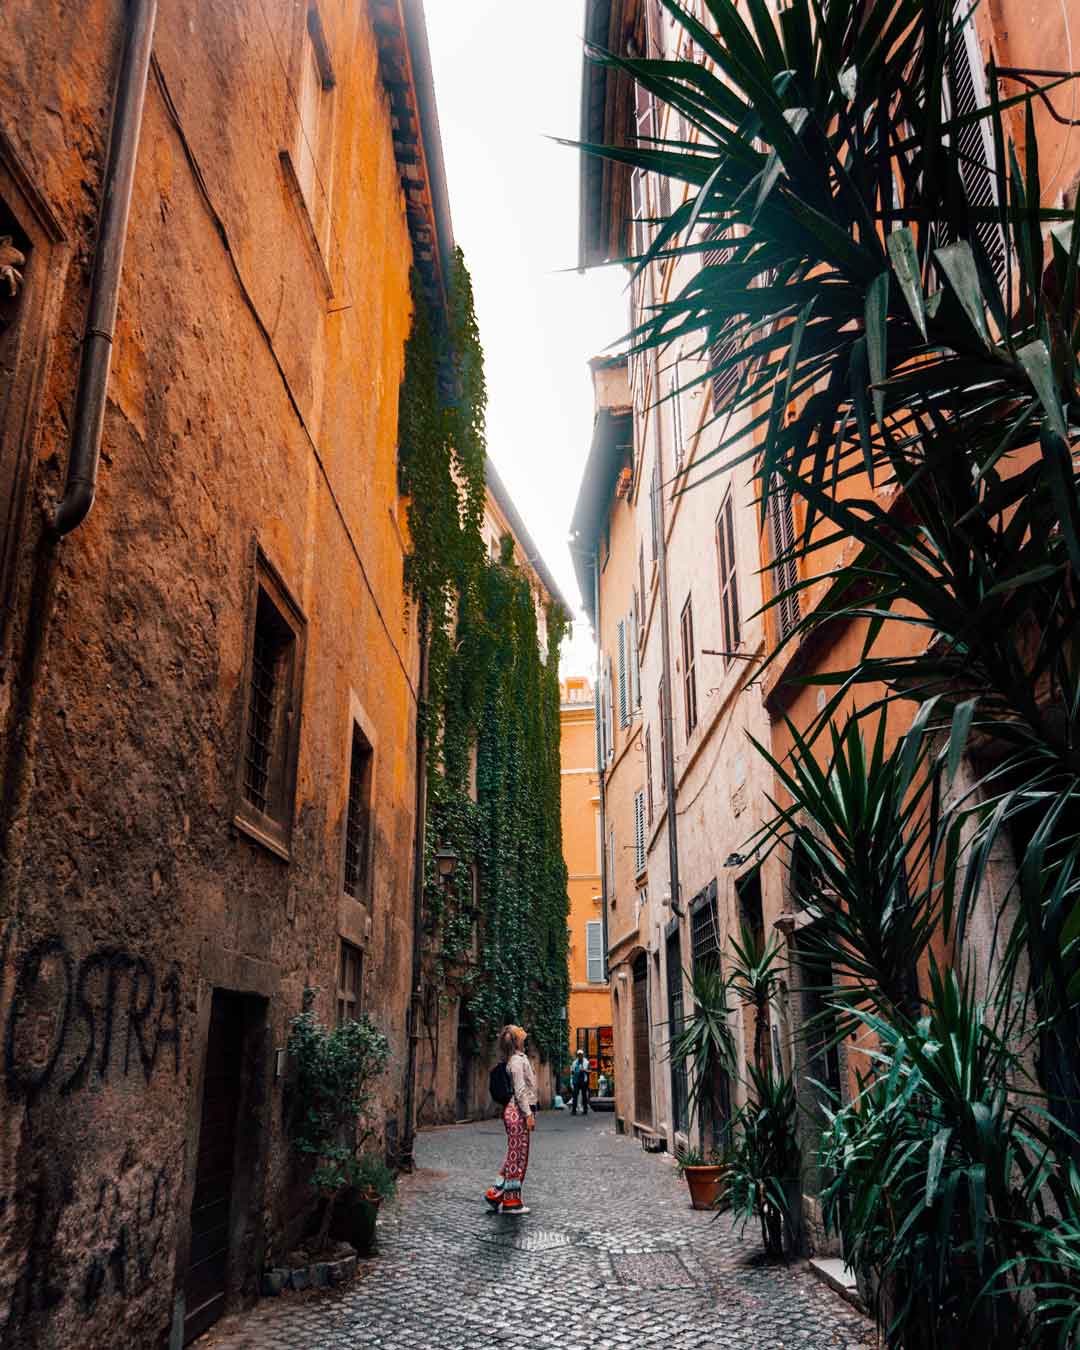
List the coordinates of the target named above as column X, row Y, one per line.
column 784, row 564
column 358, row 818
column 266, row 777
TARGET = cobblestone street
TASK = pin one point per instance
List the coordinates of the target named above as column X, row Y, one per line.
column 612, row 1255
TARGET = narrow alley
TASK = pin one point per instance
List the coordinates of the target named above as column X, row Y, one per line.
column 611, row 1255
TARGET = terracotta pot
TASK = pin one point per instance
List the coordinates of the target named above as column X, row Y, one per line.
column 704, row 1183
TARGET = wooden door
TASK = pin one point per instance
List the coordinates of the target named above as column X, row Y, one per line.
column 642, row 1071
column 207, row 1275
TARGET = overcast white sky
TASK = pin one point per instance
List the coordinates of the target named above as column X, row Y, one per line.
column 504, row 82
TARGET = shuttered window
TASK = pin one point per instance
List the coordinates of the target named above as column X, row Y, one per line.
column 641, row 577
column 624, row 707
column 725, row 341
column 729, row 590
column 966, row 94
column 784, row 568
column 611, row 862
column 639, row 833
column 635, row 660
column 686, row 629
column 594, row 952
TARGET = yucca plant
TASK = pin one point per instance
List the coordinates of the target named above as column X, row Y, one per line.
column 907, row 372
column 703, row 1040
column 762, row 1176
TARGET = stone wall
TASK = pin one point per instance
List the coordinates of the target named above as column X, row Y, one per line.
column 252, row 406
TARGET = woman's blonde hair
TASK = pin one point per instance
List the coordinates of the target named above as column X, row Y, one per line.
column 511, row 1039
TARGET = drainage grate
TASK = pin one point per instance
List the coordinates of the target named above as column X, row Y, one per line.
column 529, row 1239
column 652, row 1270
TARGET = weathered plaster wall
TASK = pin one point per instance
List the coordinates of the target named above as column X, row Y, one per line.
column 128, row 894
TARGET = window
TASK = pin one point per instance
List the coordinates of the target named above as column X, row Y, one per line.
column 358, row 818
column 784, row 566
column 610, row 713
column 663, row 737
column 641, row 583
column 724, row 342
column 729, row 591
column 611, row 863
column 311, row 159
column 643, row 111
column 679, row 1077
column 648, row 775
column 624, row 706
column 639, row 833
column 270, row 737
column 965, row 95
column 686, row 628
column 594, row 952
column 350, row 982
column 634, row 623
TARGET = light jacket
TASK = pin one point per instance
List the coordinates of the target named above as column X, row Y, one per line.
column 524, row 1080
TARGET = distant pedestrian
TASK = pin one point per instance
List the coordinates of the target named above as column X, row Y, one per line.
column 519, row 1118
column 579, row 1081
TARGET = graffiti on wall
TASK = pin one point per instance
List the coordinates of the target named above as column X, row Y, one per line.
column 72, row 1021
column 85, row 1244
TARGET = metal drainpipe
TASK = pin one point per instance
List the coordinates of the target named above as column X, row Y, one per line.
column 108, row 263
column 405, row 1150
column 665, row 644
column 600, row 765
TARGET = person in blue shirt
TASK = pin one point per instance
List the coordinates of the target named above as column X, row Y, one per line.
column 579, row 1082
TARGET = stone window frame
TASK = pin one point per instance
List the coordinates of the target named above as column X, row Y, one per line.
column 349, row 1001
column 312, row 188
column 39, row 300
column 272, row 829
column 360, row 726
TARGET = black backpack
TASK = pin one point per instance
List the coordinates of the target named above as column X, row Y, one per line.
column 500, row 1084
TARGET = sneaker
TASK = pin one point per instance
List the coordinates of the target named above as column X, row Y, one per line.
column 513, row 1205
column 494, row 1197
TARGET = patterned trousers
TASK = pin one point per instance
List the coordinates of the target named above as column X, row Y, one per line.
column 517, row 1148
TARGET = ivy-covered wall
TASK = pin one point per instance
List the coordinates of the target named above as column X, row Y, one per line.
column 495, row 932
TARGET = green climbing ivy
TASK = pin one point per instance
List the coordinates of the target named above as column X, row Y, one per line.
column 492, row 702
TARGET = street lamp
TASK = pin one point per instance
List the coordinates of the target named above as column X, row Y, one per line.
column 445, row 860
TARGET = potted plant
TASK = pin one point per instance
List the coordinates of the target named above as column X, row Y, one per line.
column 704, row 1176
column 358, row 1207
column 334, row 1070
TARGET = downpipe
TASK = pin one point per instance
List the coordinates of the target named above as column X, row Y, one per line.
column 89, row 416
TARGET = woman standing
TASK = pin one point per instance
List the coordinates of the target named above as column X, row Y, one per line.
column 519, row 1119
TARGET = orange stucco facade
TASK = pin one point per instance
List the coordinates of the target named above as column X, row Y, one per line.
column 163, row 909
column 589, row 1008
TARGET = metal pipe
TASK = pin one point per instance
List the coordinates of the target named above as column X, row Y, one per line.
column 599, row 761
column 665, row 646
column 116, row 188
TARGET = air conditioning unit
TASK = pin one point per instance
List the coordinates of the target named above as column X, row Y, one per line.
column 624, row 482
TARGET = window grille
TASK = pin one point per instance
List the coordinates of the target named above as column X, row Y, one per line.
column 785, row 566
column 357, row 815
column 729, row 590
column 264, row 750
column 594, row 952
column 704, row 931
column 686, row 627
column 639, row 833
column 350, row 982
column 679, row 1085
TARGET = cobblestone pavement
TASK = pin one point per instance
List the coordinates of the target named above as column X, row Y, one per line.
column 612, row 1257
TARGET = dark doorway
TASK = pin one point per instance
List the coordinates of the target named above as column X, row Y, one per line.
column 714, row 1094
column 207, row 1274
column 642, row 1047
